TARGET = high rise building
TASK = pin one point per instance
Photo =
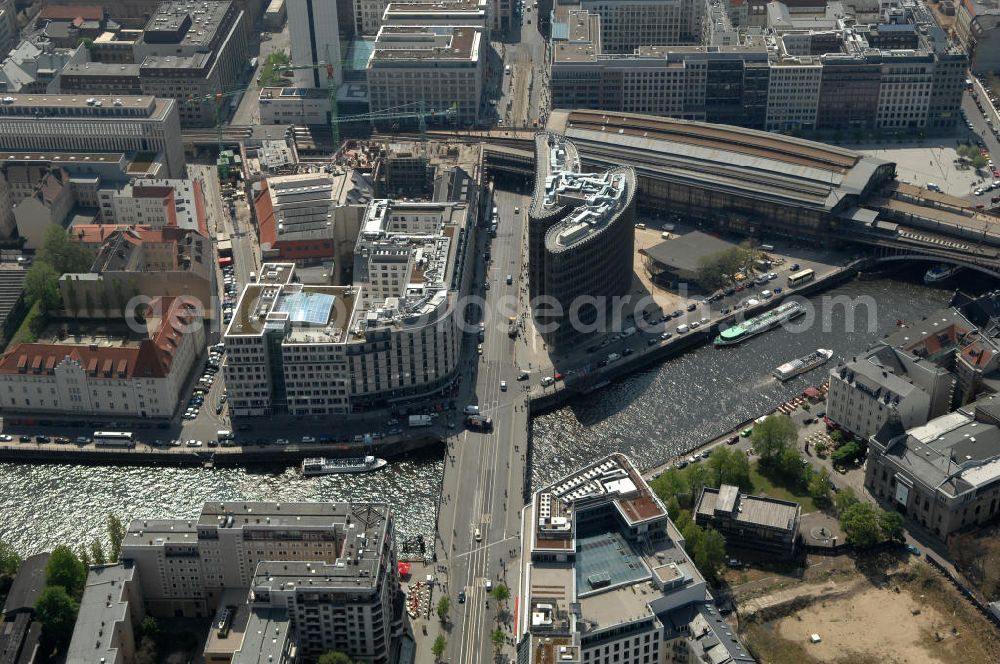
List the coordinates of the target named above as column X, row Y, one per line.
column 580, row 241
column 314, row 33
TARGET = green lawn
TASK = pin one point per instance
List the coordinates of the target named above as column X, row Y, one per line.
column 26, row 333
column 766, row 486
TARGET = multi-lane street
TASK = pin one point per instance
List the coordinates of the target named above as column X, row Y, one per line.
column 484, row 475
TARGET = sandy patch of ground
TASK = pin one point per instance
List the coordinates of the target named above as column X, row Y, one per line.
column 871, row 622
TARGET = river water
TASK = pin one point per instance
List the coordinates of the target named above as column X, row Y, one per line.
column 650, row 416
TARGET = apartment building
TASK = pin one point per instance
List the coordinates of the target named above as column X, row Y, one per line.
column 325, row 574
column 99, row 124
column 977, row 24
column 108, row 370
column 389, row 336
column 605, row 578
column 189, row 51
column 157, row 203
column 944, row 474
column 314, row 33
column 433, row 67
column 35, row 66
column 580, row 241
column 21, row 173
column 139, row 261
column 110, row 613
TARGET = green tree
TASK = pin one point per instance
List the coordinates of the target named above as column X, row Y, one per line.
column 150, row 627
column 65, row 569
column 116, row 533
column 334, row 657
column 673, row 507
column 819, row 488
column 772, row 436
column 437, row 649
column 979, row 162
column 10, row 560
column 97, row 554
column 498, row 638
column 671, row 483
column 710, row 552
column 444, row 605
column 501, row 593
column 41, row 284
column 57, row 610
column 891, row 525
column 698, row 476
column 844, row 499
column 846, row 453
column 83, row 552
column 63, row 253
column 860, row 522
column 730, row 466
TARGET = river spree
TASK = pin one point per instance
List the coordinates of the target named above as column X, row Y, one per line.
column 652, row 415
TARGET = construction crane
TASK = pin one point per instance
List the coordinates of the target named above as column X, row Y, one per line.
column 219, row 99
column 421, row 113
column 331, row 84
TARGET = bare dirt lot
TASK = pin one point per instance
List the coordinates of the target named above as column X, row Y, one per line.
column 910, row 616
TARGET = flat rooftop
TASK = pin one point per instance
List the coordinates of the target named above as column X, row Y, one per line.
column 744, row 508
column 186, row 22
column 400, row 44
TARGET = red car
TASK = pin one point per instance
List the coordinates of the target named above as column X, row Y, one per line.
column 558, row 376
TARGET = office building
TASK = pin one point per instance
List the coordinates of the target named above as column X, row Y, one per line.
column 469, row 13
column 8, row 27
column 190, row 51
column 605, row 578
column 977, row 24
column 580, row 242
column 297, row 106
column 435, row 68
column 314, row 33
column 945, row 474
column 110, row 613
column 750, row 522
column 323, row 575
column 99, row 124
column 794, row 72
column 312, row 216
column 307, row 349
column 106, row 369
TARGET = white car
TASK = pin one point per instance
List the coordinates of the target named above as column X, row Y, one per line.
column 6, row 438
column 193, row 443
column 308, row 439
column 503, row 386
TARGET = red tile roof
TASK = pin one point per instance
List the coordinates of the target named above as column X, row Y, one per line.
column 151, row 358
column 70, row 12
column 266, row 223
